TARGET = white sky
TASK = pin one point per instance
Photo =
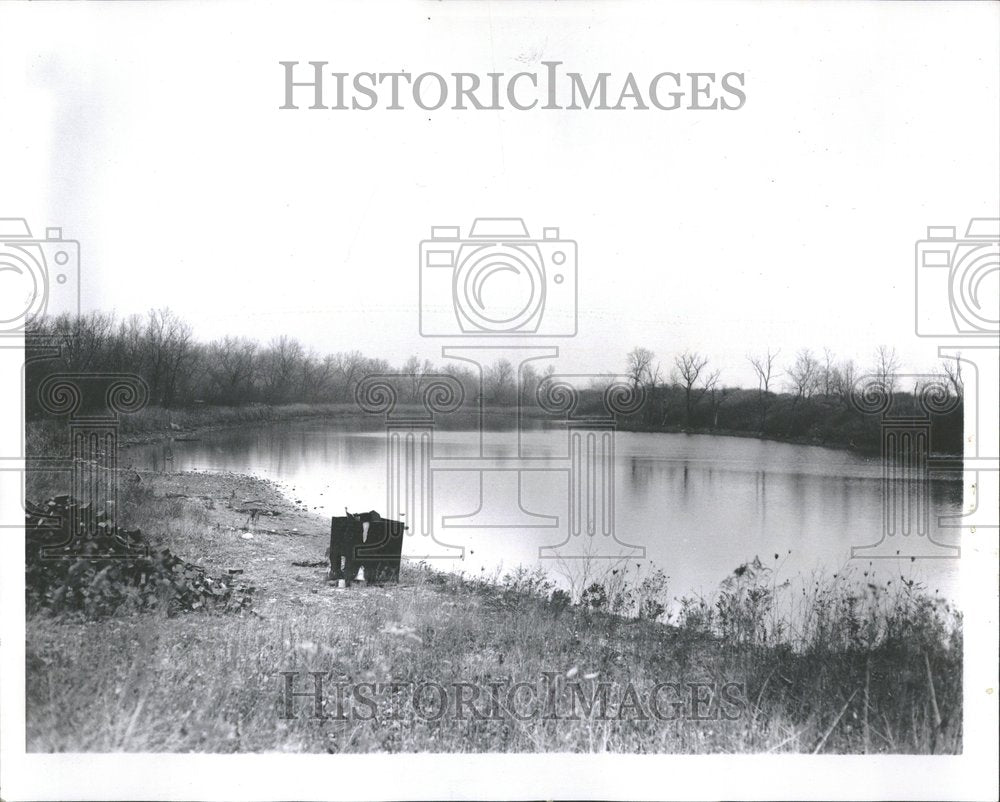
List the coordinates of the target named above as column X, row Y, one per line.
column 151, row 133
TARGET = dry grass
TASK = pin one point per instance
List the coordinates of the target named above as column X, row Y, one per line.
column 841, row 668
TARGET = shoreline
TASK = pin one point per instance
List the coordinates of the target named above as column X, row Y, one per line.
column 439, row 627
column 265, row 415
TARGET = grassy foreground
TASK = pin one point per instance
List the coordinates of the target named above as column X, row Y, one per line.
column 838, row 666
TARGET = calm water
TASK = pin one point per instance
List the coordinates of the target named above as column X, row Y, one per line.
column 696, row 505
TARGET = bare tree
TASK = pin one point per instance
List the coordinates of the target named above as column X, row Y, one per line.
column 230, row 368
column 348, row 369
column 313, row 377
column 844, row 375
column 764, row 367
column 154, row 351
column 643, row 373
column 129, row 344
column 184, row 358
column 717, row 395
column 418, row 375
column 499, row 381
column 371, row 366
column 168, row 352
column 90, row 337
column 804, row 374
column 952, row 368
column 528, row 383
column 468, row 378
column 689, row 365
column 886, row 366
column 710, row 382
column 280, row 365
column 413, row 376
column 827, row 372
column 640, row 367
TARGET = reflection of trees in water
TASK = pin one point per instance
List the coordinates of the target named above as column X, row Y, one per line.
column 646, row 474
column 760, row 492
column 641, row 475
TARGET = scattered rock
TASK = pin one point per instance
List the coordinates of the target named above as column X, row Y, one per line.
column 107, row 567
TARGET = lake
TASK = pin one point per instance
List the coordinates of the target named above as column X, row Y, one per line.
column 697, row 506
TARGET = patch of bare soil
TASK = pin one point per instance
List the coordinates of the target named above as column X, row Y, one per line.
column 247, row 523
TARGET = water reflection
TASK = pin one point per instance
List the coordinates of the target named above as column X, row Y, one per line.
column 698, row 505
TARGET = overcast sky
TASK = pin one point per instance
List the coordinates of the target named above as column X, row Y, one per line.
column 159, row 145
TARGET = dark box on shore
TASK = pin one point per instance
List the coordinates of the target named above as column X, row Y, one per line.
column 379, row 552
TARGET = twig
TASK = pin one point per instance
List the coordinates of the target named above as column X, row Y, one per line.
column 756, row 707
column 764, row 688
column 132, row 720
column 930, row 683
column 836, row 721
column 888, row 731
column 794, row 735
column 880, row 735
column 864, row 720
column 934, row 705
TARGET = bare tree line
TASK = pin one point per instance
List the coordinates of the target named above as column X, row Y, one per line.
column 802, row 395
column 180, row 371
column 805, row 395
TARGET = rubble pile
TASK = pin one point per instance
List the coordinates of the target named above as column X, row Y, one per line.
column 106, row 568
